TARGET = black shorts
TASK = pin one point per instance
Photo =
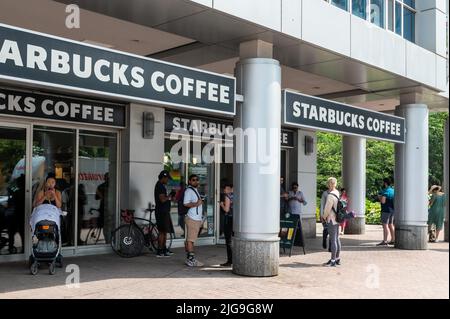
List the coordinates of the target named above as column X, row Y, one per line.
column 163, row 222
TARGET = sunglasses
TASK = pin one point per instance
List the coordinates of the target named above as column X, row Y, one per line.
column 194, row 180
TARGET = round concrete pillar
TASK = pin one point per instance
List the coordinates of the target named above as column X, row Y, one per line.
column 354, row 180
column 257, row 183
column 411, row 179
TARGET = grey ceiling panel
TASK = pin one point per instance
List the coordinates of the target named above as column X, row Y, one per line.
column 146, row 12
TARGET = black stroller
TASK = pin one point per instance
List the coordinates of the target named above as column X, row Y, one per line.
column 46, row 247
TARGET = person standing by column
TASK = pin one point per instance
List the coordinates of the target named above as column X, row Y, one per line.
column 296, row 199
column 193, row 220
column 162, row 213
column 283, row 198
column 344, row 197
column 329, row 217
column 386, row 198
column 436, row 212
column 226, row 205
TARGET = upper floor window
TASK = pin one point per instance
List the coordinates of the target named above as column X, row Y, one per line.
column 343, row 4
column 377, row 12
column 359, row 8
column 394, row 15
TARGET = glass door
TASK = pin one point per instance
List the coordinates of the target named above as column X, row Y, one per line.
column 54, row 151
column 14, row 193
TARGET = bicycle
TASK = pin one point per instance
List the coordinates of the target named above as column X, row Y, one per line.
column 129, row 239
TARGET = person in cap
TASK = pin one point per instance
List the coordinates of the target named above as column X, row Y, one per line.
column 162, row 212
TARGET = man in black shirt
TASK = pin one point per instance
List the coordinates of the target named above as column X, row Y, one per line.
column 162, row 212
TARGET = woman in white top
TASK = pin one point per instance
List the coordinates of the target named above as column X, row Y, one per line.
column 329, row 217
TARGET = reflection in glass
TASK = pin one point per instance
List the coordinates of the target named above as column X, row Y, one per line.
column 12, row 189
column 398, row 18
column 97, row 159
column 390, row 14
column 343, row 4
column 359, row 8
column 377, row 12
column 54, row 149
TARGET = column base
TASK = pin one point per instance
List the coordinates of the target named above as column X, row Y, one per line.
column 309, row 227
column 446, row 230
column 411, row 237
column 255, row 258
column 356, row 226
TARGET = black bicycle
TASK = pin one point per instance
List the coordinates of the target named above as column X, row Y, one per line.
column 129, row 239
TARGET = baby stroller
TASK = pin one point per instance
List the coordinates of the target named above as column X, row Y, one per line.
column 45, row 224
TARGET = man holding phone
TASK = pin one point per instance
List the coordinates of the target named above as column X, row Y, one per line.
column 296, row 200
column 193, row 219
column 162, row 213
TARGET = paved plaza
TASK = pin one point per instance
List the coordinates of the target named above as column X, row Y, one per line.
column 367, row 271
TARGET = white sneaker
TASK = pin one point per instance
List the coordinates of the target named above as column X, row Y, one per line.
column 193, row 263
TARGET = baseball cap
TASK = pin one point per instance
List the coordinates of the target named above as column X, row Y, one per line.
column 164, row 173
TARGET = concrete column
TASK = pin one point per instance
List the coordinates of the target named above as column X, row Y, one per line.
column 354, row 180
column 307, row 181
column 446, row 181
column 411, row 177
column 257, row 187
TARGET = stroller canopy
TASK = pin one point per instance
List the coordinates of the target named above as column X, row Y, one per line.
column 45, row 212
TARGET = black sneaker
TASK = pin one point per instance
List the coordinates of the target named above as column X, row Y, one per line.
column 331, row 263
column 227, row 264
column 338, row 262
column 169, row 252
column 161, row 253
column 383, row 243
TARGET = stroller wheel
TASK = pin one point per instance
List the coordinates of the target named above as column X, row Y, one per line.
column 52, row 268
column 34, row 268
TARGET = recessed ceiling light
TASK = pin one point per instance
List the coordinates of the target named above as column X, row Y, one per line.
column 381, row 104
column 316, row 87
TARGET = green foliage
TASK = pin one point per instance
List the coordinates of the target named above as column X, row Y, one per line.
column 380, row 162
column 373, row 213
column 329, row 158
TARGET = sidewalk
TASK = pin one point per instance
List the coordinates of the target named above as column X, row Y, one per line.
column 367, row 271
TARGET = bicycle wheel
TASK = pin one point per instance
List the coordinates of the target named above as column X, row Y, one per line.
column 127, row 241
column 154, row 234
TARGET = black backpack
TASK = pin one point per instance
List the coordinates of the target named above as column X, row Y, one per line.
column 341, row 210
column 182, row 209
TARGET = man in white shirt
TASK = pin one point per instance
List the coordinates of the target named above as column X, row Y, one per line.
column 193, row 219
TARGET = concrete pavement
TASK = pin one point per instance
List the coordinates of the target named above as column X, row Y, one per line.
column 367, row 271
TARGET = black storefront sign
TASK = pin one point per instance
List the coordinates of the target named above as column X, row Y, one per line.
column 302, row 110
column 204, row 126
column 59, row 108
column 35, row 58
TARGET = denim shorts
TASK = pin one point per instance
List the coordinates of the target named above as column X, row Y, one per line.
column 387, row 218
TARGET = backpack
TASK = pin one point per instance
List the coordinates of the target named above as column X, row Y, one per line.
column 341, row 210
column 182, row 209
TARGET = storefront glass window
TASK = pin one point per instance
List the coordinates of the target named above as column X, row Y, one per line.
column 343, row 4
column 377, row 12
column 12, row 189
column 398, row 18
column 55, row 147
column 97, row 160
column 359, row 8
column 408, row 25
